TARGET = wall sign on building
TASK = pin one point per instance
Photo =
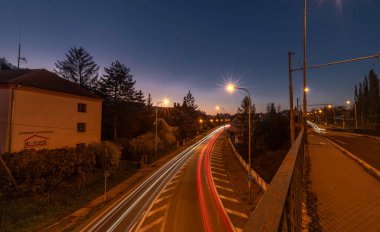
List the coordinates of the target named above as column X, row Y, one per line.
column 35, row 141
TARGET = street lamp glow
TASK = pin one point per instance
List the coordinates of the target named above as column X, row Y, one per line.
column 306, row 89
column 217, row 108
column 348, row 102
column 230, row 87
column 200, row 120
column 329, row 106
column 320, row 111
column 165, row 102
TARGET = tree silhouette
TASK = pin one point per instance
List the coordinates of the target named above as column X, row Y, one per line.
column 79, row 67
column 367, row 98
column 117, row 85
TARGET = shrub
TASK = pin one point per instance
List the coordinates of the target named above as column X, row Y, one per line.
column 107, row 154
column 53, row 170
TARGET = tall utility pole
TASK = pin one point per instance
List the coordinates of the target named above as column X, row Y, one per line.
column 356, row 118
column 291, row 108
column 155, row 135
column 18, row 56
column 304, row 72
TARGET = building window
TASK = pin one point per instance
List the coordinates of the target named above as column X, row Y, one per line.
column 82, row 107
column 81, row 127
column 81, row 145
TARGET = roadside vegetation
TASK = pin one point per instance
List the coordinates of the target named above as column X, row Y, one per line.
column 51, row 184
column 270, row 137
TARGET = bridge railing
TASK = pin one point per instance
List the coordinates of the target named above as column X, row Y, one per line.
column 280, row 206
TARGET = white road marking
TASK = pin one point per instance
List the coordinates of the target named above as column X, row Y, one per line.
column 157, row 210
column 218, row 164
column 164, row 220
column 229, row 198
column 152, row 224
column 225, row 181
column 225, row 188
column 103, row 217
column 168, row 189
column 220, row 174
column 216, row 161
column 218, row 169
column 173, row 181
column 162, row 198
column 236, row 213
column 217, row 158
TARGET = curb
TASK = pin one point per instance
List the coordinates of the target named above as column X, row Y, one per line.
column 373, row 171
column 362, row 135
column 256, row 177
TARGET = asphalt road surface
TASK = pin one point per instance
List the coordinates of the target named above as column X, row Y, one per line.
column 180, row 196
column 363, row 147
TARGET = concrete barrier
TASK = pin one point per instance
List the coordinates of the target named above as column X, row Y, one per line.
column 256, row 177
column 280, row 206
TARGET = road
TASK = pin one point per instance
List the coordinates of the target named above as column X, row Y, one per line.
column 183, row 195
column 365, row 148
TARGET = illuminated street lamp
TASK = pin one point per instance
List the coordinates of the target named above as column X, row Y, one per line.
column 220, row 108
column 165, row 102
column 333, row 108
column 231, row 88
column 348, row 112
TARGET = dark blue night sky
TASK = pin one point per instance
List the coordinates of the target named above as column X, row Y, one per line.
column 176, row 46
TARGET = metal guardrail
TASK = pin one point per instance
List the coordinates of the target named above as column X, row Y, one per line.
column 280, row 206
column 256, row 177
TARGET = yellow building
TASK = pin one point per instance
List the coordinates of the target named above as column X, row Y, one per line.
column 39, row 109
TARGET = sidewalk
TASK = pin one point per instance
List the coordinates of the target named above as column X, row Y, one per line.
column 348, row 197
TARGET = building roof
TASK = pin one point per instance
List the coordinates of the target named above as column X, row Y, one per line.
column 43, row 79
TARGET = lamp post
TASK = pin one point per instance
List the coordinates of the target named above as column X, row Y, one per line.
column 304, row 72
column 201, row 122
column 231, row 88
column 333, row 108
column 221, row 108
column 348, row 104
column 165, row 102
column 291, row 108
column 356, row 118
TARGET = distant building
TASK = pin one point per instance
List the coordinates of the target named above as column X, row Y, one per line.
column 39, row 109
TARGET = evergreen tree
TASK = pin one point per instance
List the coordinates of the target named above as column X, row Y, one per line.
column 149, row 102
column 117, row 85
column 189, row 101
column 79, row 67
column 242, row 122
column 139, row 97
column 367, row 98
column 374, row 97
column 5, row 65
